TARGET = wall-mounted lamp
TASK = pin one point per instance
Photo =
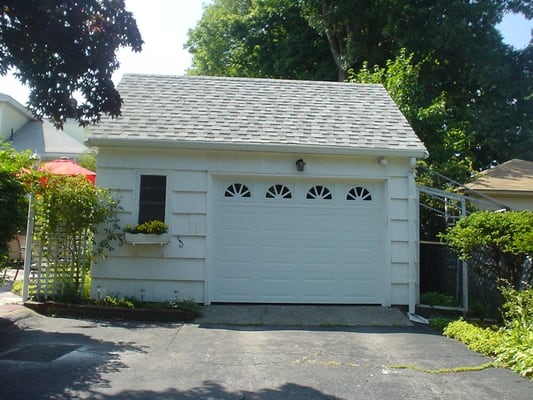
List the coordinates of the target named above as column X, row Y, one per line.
column 300, row 165
column 382, row 161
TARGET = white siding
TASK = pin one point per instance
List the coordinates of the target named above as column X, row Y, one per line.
column 182, row 264
column 10, row 119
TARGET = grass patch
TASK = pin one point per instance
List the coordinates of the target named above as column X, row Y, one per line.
column 445, row 370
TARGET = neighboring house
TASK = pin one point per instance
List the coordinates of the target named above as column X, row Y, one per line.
column 24, row 132
column 275, row 191
column 510, row 184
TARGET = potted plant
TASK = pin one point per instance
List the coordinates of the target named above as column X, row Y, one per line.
column 149, row 232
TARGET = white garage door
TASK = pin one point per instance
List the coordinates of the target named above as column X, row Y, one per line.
column 297, row 242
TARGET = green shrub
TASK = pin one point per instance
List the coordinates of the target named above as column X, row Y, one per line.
column 516, row 348
column 481, row 340
column 17, row 287
column 495, row 245
column 187, row 305
column 437, row 299
column 111, row 301
column 512, row 344
column 518, row 307
column 439, row 323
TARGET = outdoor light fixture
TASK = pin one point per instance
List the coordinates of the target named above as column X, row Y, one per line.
column 382, row 161
column 300, row 165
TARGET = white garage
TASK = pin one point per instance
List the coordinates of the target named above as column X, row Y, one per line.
column 312, row 241
column 274, row 191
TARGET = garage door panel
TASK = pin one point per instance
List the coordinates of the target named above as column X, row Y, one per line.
column 319, row 287
column 229, row 252
column 318, row 254
column 277, row 222
column 363, row 258
column 277, row 290
column 237, row 220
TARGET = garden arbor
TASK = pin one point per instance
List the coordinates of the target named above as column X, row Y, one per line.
column 64, row 211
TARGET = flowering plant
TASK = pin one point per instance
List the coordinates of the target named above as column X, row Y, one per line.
column 149, row 227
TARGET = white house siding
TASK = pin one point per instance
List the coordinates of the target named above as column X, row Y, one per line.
column 515, row 201
column 11, row 118
column 163, row 272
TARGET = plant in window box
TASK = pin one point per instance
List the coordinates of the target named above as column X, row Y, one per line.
column 150, row 232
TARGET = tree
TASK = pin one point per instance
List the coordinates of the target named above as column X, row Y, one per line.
column 253, row 38
column 13, row 207
column 446, row 139
column 356, row 31
column 58, row 48
column 495, row 245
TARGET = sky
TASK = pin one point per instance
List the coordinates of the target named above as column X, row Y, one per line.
column 164, row 25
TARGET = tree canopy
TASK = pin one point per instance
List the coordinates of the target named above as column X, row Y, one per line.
column 58, row 48
column 13, row 208
column 258, row 38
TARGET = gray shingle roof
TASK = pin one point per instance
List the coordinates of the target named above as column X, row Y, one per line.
column 218, row 111
column 49, row 142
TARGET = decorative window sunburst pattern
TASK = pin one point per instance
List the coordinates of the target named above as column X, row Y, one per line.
column 237, row 190
column 319, row 192
column 359, row 193
column 278, row 192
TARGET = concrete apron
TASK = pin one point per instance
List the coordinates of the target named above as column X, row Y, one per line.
column 302, row 315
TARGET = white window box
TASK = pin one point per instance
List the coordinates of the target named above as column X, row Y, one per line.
column 144, row 238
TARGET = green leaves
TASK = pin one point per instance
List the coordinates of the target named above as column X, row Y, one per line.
column 448, row 143
column 58, row 48
column 13, row 204
column 495, row 244
column 267, row 39
column 512, row 344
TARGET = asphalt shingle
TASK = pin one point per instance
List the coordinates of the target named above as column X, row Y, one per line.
column 220, row 110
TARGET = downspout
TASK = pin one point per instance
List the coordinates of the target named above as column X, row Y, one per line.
column 413, row 236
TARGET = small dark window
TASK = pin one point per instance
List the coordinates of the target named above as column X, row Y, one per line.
column 237, row 190
column 319, row 192
column 152, row 198
column 359, row 193
column 278, row 192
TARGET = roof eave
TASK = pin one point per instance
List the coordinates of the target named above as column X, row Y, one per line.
column 503, row 192
column 5, row 98
column 258, row 147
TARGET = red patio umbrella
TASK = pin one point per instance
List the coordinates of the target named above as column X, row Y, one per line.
column 65, row 166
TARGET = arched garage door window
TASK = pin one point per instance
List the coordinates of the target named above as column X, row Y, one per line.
column 278, row 192
column 319, row 192
column 358, row 193
column 237, row 190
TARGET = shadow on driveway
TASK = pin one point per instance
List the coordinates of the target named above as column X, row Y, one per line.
column 213, row 390
column 54, row 364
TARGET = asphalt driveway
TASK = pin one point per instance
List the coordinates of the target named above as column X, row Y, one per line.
column 54, row 358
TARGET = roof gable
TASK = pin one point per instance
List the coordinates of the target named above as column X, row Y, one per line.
column 248, row 112
column 47, row 141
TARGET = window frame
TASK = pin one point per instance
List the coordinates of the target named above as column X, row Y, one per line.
column 142, row 218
